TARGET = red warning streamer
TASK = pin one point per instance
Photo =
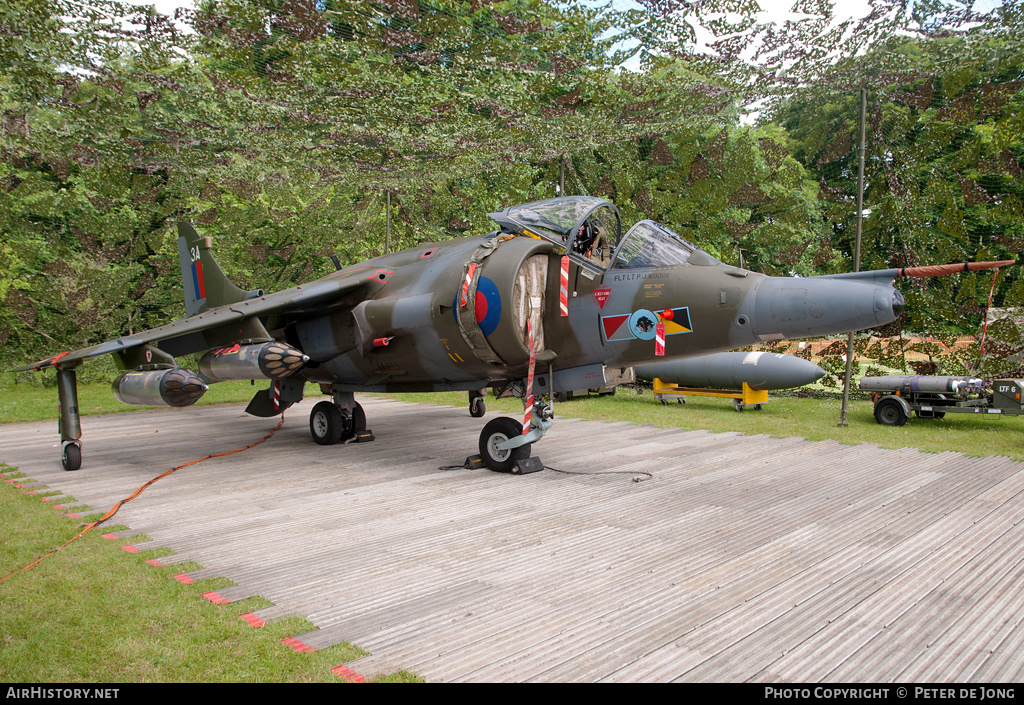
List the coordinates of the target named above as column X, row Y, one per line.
column 563, row 287
column 464, row 299
column 659, row 338
column 529, row 381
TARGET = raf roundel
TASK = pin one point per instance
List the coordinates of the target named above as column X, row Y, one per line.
column 487, row 304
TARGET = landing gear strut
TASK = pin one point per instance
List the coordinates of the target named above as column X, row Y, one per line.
column 70, row 421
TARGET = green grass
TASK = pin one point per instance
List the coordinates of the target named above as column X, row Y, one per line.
column 21, row 403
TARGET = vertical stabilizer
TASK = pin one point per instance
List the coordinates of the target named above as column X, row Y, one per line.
column 206, row 286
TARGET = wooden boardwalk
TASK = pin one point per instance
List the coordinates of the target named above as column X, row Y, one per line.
column 744, row 558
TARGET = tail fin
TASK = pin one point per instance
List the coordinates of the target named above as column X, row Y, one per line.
column 206, row 286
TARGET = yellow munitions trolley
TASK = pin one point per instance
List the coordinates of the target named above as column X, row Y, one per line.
column 741, row 398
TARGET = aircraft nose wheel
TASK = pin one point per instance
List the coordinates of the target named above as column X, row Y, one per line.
column 498, row 431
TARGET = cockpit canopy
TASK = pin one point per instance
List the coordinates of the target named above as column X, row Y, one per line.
column 586, row 226
column 591, row 229
column 649, row 244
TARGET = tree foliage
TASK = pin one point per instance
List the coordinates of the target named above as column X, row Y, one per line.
column 282, row 128
column 943, row 155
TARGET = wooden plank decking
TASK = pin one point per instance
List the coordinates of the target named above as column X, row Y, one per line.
column 742, row 558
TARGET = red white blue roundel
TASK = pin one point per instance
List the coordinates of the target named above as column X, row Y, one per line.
column 487, row 303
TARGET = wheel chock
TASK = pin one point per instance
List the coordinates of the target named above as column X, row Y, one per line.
column 527, row 465
column 474, row 462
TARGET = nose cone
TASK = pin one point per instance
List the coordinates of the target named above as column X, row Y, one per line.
column 801, row 307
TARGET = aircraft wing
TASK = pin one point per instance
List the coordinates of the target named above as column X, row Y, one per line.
column 184, row 335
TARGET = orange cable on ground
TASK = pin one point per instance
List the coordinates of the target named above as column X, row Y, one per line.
column 136, row 493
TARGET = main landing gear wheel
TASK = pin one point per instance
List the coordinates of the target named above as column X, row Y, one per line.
column 354, row 425
column 477, row 408
column 71, row 456
column 889, row 412
column 498, row 431
column 326, row 423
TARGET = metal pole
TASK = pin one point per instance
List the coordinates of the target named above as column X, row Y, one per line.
column 387, row 231
column 561, row 175
column 856, row 252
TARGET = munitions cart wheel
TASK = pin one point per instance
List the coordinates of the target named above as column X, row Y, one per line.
column 889, row 412
column 326, row 424
column 498, row 431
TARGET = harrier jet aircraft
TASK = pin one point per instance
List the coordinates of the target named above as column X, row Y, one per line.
column 555, row 299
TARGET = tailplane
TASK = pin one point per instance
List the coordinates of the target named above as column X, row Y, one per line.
column 206, row 286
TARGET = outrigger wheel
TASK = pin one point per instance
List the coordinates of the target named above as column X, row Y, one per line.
column 71, row 456
column 496, row 432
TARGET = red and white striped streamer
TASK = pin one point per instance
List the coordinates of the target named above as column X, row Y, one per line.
column 529, row 381
column 464, row 299
column 659, row 338
column 275, row 394
column 563, row 287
